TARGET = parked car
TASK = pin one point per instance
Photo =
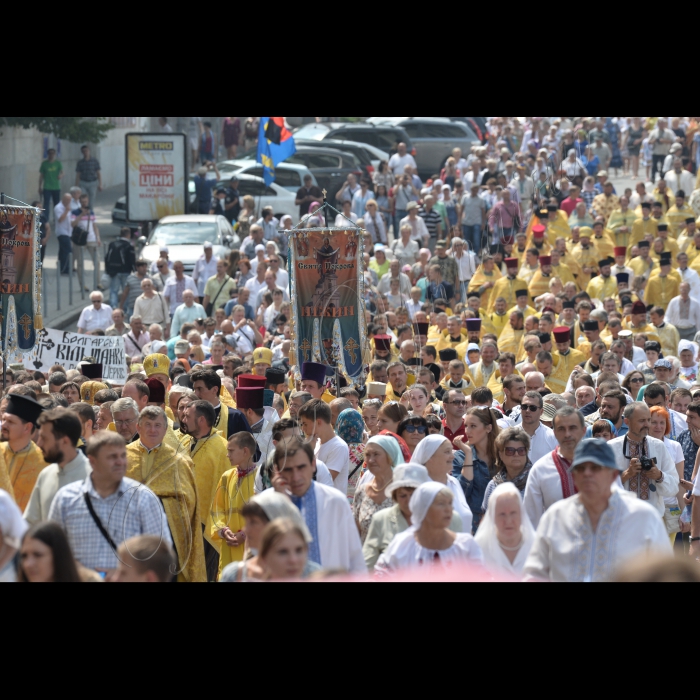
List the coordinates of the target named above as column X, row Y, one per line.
column 282, row 201
column 434, row 139
column 185, row 237
column 383, row 136
column 287, row 175
column 479, row 125
column 330, row 167
column 369, row 156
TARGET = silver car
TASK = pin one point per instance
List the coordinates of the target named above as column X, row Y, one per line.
column 434, row 139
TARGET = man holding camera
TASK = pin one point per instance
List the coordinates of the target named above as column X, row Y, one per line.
column 646, row 466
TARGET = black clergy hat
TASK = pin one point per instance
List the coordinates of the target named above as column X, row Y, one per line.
column 591, row 326
column 24, row 407
column 275, row 376
column 569, row 305
column 521, row 293
column 544, row 338
column 93, row 372
column 448, row 355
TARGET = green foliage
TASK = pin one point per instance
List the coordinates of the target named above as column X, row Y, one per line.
column 75, row 129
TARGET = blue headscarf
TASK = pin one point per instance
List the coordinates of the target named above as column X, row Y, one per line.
column 391, row 447
column 350, row 427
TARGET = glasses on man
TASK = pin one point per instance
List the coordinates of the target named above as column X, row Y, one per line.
column 420, row 429
column 457, row 403
column 123, row 423
column 512, row 451
column 532, row 409
column 583, row 468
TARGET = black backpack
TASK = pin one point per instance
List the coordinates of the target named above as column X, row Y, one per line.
column 120, row 257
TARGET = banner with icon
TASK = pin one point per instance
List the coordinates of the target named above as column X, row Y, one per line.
column 327, row 281
column 20, row 279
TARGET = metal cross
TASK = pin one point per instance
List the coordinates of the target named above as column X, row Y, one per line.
column 26, row 323
column 324, row 193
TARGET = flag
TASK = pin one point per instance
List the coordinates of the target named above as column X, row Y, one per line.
column 275, row 145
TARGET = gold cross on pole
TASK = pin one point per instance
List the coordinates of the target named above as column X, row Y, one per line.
column 350, row 347
column 305, row 347
column 26, row 323
column 324, row 193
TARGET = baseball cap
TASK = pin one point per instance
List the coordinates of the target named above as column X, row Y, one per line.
column 596, row 451
column 663, row 364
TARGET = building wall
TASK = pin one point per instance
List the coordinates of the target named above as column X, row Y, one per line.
column 22, row 152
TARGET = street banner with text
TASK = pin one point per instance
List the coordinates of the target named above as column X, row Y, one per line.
column 69, row 350
column 19, row 246
column 327, row 293
column 156, row 176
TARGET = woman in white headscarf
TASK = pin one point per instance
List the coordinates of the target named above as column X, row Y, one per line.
column 506, row 534
column 435, row 452
column 12, row 529
column 382, row 456
column 259, row 513
column 429, row 541
column 688, row 355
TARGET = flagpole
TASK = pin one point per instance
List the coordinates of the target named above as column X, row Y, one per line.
column 337, row 368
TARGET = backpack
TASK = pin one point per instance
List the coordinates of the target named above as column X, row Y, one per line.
column 119, row 258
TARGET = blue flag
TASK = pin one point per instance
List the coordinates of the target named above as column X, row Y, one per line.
column 275, row 145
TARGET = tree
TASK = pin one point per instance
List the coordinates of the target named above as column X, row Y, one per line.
column 75, row 129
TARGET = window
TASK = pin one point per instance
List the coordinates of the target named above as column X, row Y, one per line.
column 413, row 130
column 291, row 179
column 318, row 160
column 297, row 159
column 441, row 131
column 255, row 189
column 387, row 140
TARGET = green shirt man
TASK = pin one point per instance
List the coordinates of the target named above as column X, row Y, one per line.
column 51, row 173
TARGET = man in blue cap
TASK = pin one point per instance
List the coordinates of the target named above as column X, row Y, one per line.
column 586, row 538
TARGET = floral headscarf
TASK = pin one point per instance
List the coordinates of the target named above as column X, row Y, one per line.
column 350, row 427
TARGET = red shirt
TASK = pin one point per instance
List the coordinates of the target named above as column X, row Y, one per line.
column 569, row 205
column 461, row 433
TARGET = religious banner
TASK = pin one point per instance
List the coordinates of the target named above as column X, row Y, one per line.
column 20, row 281
column 69, row 350
column 156, row 176
column 327, row 280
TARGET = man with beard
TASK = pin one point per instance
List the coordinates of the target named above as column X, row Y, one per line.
column 486, row 367
column 605, row 285
column 473, row 337
column 512, row 335
column 644, row 264
column 497, row 321
column 531, row 266
column 209, row 452
column 612, row 407
column 59, row 433
column 508, row 287
column 559, row 270
column 620, row 267
column 564, row 355
column 22, row 457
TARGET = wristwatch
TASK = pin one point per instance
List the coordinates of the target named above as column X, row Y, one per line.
column 694, row 539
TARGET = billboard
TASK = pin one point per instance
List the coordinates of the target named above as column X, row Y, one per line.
column 327, row 293
column 19, row 268
column 156, row 176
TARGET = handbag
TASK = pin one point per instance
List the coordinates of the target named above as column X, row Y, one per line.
column 212, row 305
column 80, row 236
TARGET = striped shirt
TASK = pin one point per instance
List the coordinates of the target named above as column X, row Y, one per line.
column 432, row 218
column 133, row 510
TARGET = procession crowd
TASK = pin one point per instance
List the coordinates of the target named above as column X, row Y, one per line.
column 531, row 412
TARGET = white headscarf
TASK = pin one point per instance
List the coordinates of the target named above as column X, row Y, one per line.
column 424, row 497
column 487, row 536
column 427, row 448
column 688, row 345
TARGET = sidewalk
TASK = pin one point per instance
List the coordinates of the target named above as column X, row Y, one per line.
column 62, row 298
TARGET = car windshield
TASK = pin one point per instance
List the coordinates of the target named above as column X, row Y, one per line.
column 186, row 233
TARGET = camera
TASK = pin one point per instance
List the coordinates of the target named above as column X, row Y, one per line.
column 647, row 463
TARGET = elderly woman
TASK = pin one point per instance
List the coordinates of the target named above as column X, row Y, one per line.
column 688, row 355
column 389, row 523
column 429, row 541
column 261, row 511
column 506, row 534
column 350, row 428
column 580, row 217
column 413, row 430
column 512, row 449
column 660, row 428
column 374, row 223
column 436, row 453
column 382, row 456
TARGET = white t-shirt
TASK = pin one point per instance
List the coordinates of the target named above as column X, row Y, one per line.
column 398, row 163
column 335, row 454
column 677, row 456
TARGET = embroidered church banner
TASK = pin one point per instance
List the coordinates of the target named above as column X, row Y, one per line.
column 327, row 295
column 19, row 266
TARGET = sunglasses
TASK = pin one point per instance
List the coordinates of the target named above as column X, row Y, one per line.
column 637, row 380
column 532, row 409
column 456, row 403
column 582, row 469
column 420, row 429
column 512, row 451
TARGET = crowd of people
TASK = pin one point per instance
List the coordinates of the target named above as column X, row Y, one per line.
column 532, row 409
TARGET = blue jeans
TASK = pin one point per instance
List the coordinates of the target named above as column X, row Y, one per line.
column 51, row 195
column 117, row 285
column 472, row 236
column 65, row 248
